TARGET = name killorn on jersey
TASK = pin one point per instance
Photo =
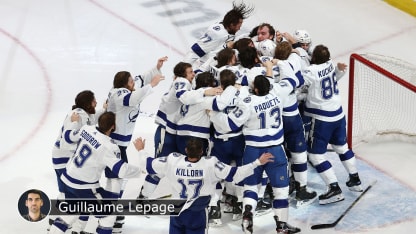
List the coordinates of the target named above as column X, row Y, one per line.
column 189, row 172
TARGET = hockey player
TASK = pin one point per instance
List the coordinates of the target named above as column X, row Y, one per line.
column 194, row 120
column 193, row 177
column 167, row 117
column 124, row 100
column 323, row 105
column 82, row 113
column 95, row 151
column 263, row 132
column 228, row 147
column 294, row 133
column 218, row 36
column 264, row 39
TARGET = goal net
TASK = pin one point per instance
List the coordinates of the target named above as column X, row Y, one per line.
column 382, row 99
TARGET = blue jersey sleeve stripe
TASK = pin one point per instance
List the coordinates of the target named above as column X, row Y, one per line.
column 300, row 78
column 66, row 136
column 117, row 166
column 215, row 105
column 231, row 174
column 291, row 81
column 198, row 50
column 149, row 167
column 60, row 160
column 126, row 100
column 119, row 137
column 179, row 94
column 232, row 125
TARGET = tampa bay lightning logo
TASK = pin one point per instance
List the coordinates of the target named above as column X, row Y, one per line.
column 247, row 100
column 133, row 115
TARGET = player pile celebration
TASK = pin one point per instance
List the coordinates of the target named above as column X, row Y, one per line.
column 243, row 119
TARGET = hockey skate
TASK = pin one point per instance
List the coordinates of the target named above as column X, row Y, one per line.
column 354, row 183
column 237, row 210
column 214, row 215
column 228, row 203
column 118, row 225
column 263, row 207
column 247, row 224
column 283, row 227
column 303, row 196
column 334, row 194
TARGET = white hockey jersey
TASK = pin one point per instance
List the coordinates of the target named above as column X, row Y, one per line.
column 323, row 101
column 193, row 120
column 64, row 148
column 126, row 105
column 213, row 40
column 190, row 180
column 95, row 152
column 227, row 122
column 290, row 67
column 180, row 93
column 262, row 115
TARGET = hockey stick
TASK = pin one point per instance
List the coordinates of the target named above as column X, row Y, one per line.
column 331, row 225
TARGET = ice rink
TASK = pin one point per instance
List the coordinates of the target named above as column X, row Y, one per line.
column 51, row 50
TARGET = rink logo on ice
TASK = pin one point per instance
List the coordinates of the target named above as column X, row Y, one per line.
column 116, row 207
column 184, row 13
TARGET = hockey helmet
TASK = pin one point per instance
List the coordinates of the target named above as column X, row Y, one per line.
column 266, row 47
column 302, row 36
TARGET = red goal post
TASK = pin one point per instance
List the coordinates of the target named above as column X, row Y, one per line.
column 382, row 99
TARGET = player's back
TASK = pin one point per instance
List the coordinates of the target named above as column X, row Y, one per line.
column 95, row 152
column 194, row 121
column 263, row 126
column 323, row 100
column 192, row 179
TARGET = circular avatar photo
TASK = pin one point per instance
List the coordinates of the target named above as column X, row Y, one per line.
column 34, row 205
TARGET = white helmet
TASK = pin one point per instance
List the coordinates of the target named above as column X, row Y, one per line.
column 302, row 36
column 266, row 47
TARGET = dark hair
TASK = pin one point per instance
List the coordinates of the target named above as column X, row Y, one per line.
column 35, row 191
column 227, row 78
column 106, row 121
column 204, row 79
column 253, row 32
column 283, row 50
column 84, row 100
column 121, row 79
column 248, row 57
column 224, row 56
column 180, row 69
column 262, row 85
column 241, row 11
column 242, row 43
column 320, row 55
column 194, row 147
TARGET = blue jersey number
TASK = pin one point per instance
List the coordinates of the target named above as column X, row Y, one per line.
column 329, row 87
column 196, row 183
column 274, row 116
column 83, row 154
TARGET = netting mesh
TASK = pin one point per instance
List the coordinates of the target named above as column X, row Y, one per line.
column 383, row 109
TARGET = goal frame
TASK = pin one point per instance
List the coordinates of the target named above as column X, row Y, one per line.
column 376, row 68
